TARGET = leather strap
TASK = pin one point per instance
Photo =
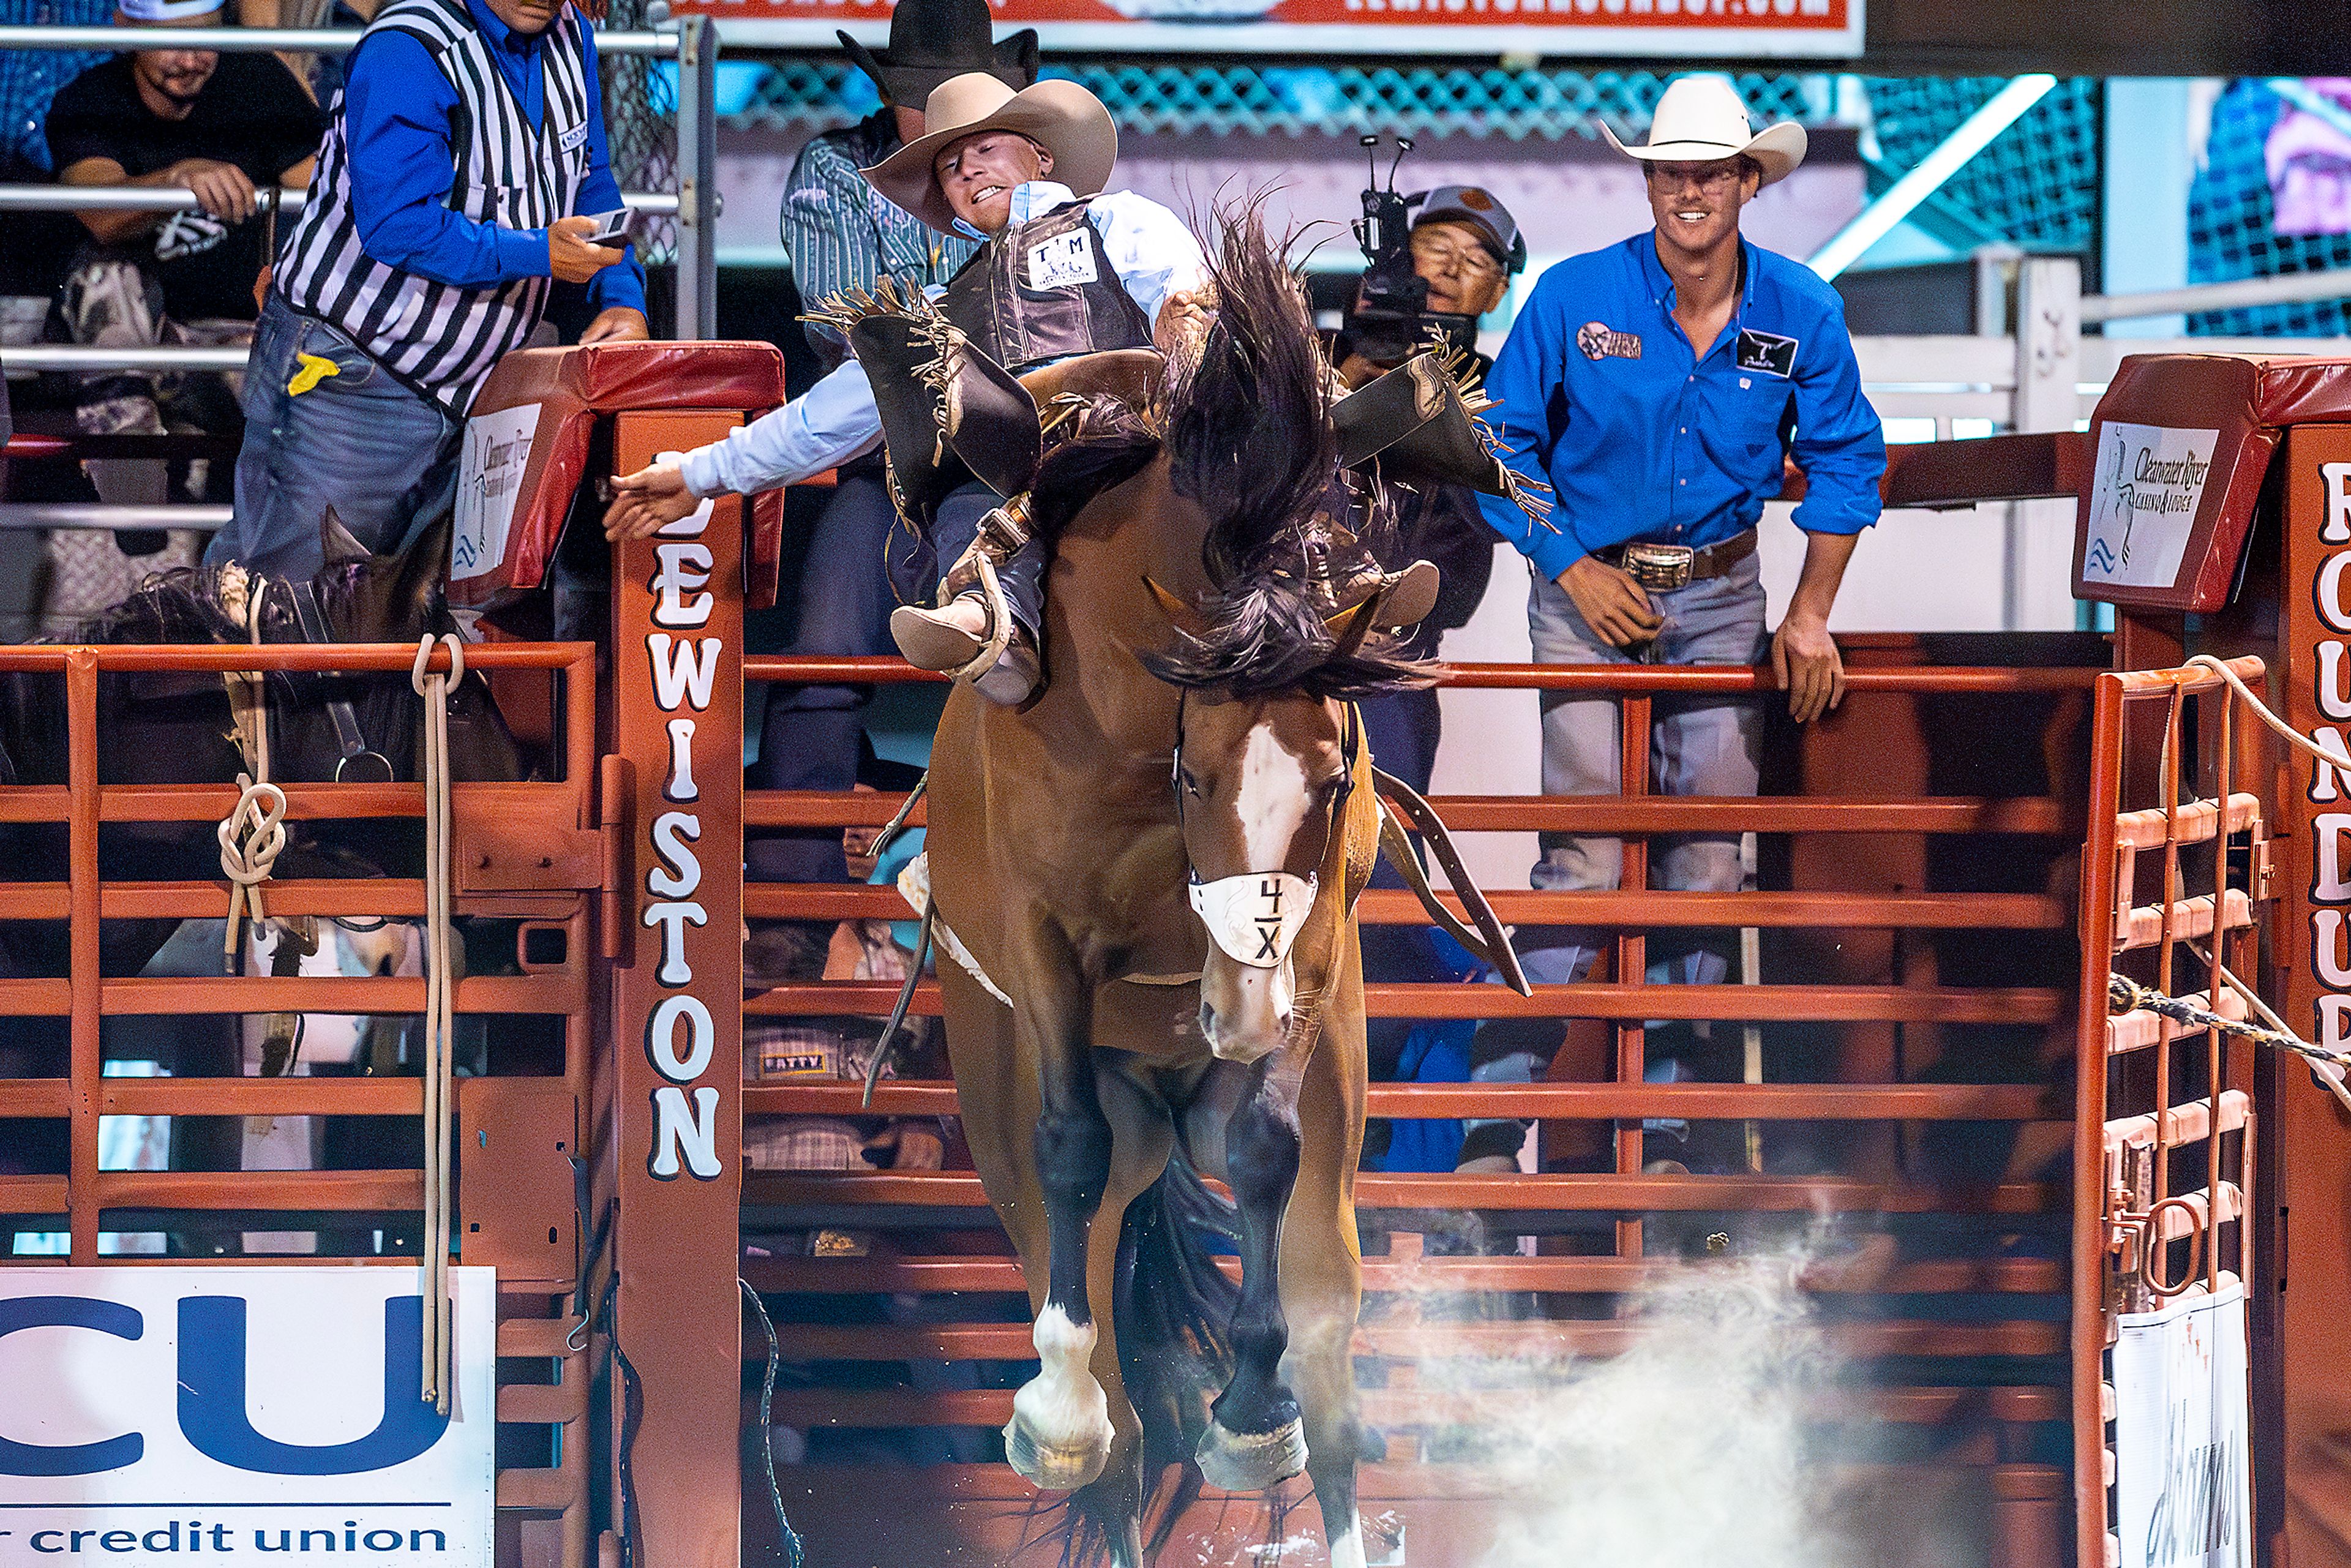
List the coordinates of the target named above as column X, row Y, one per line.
column 1487, row 941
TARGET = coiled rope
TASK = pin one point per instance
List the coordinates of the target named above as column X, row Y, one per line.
column 440, row 1008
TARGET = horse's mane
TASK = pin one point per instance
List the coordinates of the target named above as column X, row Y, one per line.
column 1249, row 441
column 182, row 605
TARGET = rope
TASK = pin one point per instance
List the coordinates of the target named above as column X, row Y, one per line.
column 2262, row 710
column 254, row 833
column 440, row 1019
column 2126, row 994
column 250, row 836
column 787, row 1538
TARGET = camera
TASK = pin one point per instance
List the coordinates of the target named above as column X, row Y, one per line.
column 1391, row 320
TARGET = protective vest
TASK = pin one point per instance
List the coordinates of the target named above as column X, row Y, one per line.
column 439, row 340
column 1044, row 290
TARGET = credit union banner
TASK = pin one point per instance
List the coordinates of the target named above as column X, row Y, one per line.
column 1674, row 29
column 254, row 1415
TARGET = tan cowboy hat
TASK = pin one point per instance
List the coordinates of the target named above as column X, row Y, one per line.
column 1700, row 119
column 1059, row 116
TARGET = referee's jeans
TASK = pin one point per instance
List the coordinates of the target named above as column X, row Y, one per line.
column 1697, row 747
column 357, row 441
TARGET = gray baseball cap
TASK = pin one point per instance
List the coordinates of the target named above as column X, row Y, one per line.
column 1477, row 206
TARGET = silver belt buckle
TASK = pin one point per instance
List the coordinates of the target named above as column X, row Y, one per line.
column 1662, row 567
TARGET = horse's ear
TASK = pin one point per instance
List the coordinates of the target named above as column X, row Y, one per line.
column 424, row 568
column 1348, row 628
column 1183, row 617
column 336, row 543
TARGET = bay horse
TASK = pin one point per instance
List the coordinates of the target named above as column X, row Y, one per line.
column 1196, row 734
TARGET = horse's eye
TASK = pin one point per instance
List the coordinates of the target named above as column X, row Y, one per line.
column 1191, row 785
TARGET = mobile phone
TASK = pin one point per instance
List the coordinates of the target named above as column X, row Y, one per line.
column 612, row 228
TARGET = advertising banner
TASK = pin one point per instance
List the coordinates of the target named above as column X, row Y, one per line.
column 260, row 1416
column 2183, row 1470
column 1658, row 29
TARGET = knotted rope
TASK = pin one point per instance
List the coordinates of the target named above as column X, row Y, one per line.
column 253, row 832
column 440, row 1007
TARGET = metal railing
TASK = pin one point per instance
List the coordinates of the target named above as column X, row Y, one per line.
column 1947, row 1340
column 695, row 204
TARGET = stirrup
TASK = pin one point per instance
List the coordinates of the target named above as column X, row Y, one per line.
column 999, row 622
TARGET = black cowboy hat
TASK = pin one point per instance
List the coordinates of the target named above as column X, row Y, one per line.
column 934, row 40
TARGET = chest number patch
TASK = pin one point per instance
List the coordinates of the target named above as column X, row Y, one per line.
column 1063, row 262
column 1767, row 353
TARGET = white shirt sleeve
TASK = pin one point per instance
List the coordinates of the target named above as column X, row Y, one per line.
column 822, row 428
column 1149, row 248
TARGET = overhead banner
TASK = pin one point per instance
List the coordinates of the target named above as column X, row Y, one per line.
column 1656, row 29
column 2183, row 1467
column 154, row 1414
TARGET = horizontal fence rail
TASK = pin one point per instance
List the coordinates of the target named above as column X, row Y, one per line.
column 1927, row 1326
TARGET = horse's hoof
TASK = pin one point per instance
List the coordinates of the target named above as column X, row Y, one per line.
column 1051, row 1467
column 1251, row 1461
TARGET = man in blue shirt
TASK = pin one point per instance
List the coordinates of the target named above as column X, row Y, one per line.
column 1657, row 387
column 451, row 193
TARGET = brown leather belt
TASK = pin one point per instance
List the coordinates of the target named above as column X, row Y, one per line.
column 1667, row 566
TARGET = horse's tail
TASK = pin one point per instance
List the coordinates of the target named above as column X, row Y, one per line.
column 1248, row 433
column 1172, row 1305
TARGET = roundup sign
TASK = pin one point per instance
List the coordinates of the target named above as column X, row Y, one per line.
column 252, row 1416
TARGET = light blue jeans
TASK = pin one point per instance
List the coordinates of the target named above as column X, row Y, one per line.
column 1697, row 747
column 383, row 457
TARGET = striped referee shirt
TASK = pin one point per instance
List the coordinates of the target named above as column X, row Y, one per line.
column 512, row 174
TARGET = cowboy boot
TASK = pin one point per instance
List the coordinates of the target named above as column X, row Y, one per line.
column 954, row 634
column 1342, row 573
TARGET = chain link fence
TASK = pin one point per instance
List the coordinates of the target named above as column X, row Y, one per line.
column 641, row 124
column 1264, row 100
column 2231, row 234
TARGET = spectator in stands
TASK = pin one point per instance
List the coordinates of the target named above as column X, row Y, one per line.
column 1656, row 387
column 227, row 126
column 843, row 235
column 29, row 78
column 439, row 221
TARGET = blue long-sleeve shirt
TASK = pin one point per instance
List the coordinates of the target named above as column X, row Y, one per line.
column 398, row 111
column 1600, row 396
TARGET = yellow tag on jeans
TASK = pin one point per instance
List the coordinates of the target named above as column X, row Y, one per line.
column 313, row 370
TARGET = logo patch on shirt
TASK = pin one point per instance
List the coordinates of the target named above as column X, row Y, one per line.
column 1767, row 353
column 1063, row 262
column 572, row 139
column 1600, row 342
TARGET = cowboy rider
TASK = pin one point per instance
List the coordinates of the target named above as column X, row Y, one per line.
column 1091, row 270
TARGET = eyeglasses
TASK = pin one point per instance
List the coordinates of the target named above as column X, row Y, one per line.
column 1710, row 178
column 1472, row 260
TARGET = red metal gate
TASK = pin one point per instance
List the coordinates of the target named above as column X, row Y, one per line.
column 2178, row 856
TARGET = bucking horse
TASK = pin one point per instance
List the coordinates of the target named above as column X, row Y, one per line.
column 1144, row 881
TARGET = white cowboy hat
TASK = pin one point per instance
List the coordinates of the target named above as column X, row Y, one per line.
column 1059, row 116
column 1700, row 119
